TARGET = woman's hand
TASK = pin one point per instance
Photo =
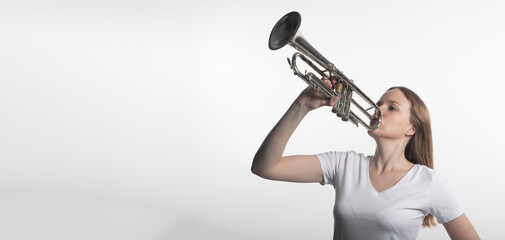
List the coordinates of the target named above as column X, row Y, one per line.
column 310, row 99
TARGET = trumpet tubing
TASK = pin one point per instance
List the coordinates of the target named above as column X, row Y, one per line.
column 285, row 32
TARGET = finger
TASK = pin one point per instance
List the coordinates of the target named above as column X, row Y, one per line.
column 333, row 101
column 324, row 102
column 334, row 81
column 327, row 82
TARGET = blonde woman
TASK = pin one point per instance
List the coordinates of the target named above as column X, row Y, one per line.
column 389, row 195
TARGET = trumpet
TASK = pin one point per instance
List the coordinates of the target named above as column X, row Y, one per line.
column 286, row 32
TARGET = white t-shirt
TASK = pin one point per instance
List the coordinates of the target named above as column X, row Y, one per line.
column 361, row 212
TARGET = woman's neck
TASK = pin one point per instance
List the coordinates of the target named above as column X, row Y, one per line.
column 390, row 156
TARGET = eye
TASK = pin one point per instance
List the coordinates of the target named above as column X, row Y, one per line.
column 392, row 108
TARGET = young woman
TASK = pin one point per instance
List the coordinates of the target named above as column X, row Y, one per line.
column 389, row 195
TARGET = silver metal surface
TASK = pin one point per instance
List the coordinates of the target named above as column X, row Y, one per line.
column 285, row 32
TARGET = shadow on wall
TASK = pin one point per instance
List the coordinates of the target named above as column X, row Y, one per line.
column 61, row 217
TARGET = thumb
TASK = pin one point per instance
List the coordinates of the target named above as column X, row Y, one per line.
column 333, row 101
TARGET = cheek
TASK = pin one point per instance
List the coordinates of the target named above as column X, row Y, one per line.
column 392, row 121
column 403, row 124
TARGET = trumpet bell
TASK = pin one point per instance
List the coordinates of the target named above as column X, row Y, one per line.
column 284, row 30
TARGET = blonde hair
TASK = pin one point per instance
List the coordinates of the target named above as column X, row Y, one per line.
column 419, row 149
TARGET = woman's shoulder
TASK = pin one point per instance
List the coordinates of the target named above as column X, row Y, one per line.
column 346, row 155
column 344, row 158
column 428, row 174
column 343, row 161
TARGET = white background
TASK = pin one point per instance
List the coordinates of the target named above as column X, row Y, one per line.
column 140, row 119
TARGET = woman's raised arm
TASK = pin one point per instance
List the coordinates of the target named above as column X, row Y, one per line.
column 269, row 161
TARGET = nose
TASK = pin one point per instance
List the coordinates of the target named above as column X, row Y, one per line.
column 382, row 108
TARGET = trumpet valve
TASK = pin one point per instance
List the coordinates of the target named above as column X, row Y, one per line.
column 334, row 109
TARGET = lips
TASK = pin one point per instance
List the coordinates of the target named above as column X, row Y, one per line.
column 373, row 121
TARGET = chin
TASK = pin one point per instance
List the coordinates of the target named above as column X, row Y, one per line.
column 371, row 133
column 375, row 133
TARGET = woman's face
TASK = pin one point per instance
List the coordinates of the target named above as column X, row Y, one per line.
column 395, row 109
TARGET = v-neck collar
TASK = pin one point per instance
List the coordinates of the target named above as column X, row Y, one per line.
column 372, row 188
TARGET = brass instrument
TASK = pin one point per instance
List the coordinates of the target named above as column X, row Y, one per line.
column 285, row 32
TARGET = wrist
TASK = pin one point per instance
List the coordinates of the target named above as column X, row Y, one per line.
column 301, row 105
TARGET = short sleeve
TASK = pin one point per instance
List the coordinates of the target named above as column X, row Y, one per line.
column 329, row 164
column 444, row 205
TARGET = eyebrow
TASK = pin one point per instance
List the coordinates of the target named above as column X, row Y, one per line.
column 389, row 101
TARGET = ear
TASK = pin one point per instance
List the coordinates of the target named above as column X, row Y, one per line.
column 411, row 131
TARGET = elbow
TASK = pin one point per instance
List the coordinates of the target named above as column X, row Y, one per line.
column 257, row 170
column 255, row 165
column 259, row 173
column 253, row 169
column 264, row 167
